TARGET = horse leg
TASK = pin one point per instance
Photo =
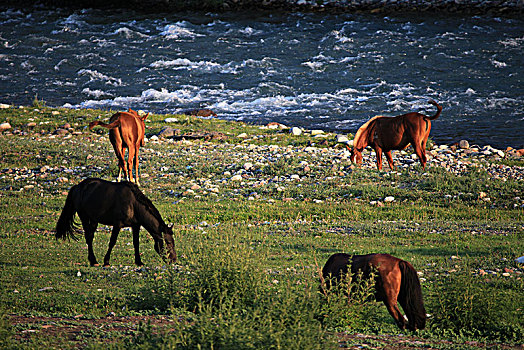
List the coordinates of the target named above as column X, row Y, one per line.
column 89, row 233
column 122, row 164
column 390, row 160
column 421, row 153
column 112, row 242
column 136, row 244
column 136, row 165
column 120, row 152
column 390, row 289
column 130, row 157
column 378, row 152
column 391, row 305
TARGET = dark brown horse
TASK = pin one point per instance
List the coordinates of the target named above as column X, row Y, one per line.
column 126, row 130
column 117, row 204
column 385, row 134
column 396, row 280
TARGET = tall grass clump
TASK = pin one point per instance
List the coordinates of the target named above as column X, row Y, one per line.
column 468, row 305
column 230, row 302
column 38, row 103
column 349, row 303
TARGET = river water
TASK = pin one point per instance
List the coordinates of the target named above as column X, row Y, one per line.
column 318, row 71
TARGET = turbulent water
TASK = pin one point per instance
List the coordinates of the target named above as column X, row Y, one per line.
column 319, row 71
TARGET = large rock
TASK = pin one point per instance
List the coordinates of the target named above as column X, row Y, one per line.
column 5, row 126
column 275, row 125
column 464, row 144
column 167, row 132
column 342, row 139
column 296, row 131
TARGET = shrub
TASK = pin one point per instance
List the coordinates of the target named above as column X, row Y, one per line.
column 469, row 305
column 348, row 304
column 234, row 305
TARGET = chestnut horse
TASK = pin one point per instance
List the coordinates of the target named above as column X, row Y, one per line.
column 396, row 280
column 126, row 130
column 394, row 133
column 117, row 204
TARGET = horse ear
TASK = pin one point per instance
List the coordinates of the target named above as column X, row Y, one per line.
column 145, row 117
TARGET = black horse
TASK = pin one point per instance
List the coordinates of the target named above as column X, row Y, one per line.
column 117, row 204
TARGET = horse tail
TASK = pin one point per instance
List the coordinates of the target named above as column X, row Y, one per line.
column 439, row 109
column 112, row 125
column 66, row 226
column 410, row 296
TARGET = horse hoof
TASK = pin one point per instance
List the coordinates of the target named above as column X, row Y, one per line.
column 95, row 265
column 107, row 265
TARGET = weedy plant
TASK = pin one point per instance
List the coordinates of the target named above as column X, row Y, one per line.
column 234, row 304
column 348, row 303
column 465, row 304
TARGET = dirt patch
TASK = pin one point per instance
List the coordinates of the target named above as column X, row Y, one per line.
column 363, row 341
column 79, row 332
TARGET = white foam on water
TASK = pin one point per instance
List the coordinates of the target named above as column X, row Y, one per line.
column 499, row 103
column 512, row 42
column 250, row 31
column 498, row 64
column 315, row 66
column 178, row 31
column 348, row 91
column 95, row 93
column 186, row 64
column 128, row 33
column 57, row 66
column 97, row 76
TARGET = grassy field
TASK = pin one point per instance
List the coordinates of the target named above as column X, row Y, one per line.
column 249, row 249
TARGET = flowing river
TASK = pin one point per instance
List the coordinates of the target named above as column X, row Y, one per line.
column 317, row 71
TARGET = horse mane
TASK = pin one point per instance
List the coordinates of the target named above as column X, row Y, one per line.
column 363, row 132
column 146, row 202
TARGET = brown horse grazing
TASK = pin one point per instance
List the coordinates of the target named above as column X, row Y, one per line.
column 117, row 204
column 126, row 130
column 394, row 133
column 396, row 280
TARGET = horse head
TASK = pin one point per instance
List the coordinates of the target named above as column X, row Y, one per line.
column 356, row 155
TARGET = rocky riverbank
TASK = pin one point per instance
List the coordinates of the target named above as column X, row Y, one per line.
column 245, row 162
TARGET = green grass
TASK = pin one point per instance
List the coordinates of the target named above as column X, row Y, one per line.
column 249, row 251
